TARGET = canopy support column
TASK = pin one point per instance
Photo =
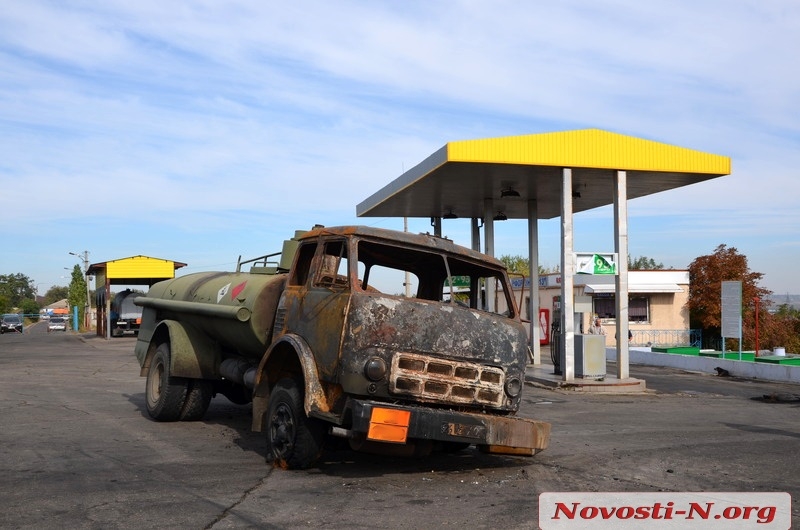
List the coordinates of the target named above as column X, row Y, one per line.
column 436, row 222
column 488, row 234
column 567, row 273
column 621, row 279
column 533, row 275
column 476, row 235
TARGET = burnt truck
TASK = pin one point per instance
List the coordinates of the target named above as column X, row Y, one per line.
column 307, row 336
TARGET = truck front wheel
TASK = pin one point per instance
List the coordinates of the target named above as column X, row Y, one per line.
column 294, row 440
column 164, row 394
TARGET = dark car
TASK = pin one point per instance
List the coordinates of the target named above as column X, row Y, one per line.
column 11, row 323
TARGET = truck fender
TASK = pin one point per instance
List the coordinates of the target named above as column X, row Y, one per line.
column 192, row 353
column 270, row 369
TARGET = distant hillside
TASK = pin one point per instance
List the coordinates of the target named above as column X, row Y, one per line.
column 778, row 300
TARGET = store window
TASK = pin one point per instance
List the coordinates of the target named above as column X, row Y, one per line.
column 605, row 307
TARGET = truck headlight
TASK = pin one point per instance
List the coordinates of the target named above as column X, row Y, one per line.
column 513, row 386
column 375, row 369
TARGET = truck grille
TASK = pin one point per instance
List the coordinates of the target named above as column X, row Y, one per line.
column 446, row 381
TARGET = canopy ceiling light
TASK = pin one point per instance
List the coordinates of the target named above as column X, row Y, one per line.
column 450, row 215
column 509, row 192
column 500, row 217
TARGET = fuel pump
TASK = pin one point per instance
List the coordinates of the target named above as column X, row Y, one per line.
column 590, row 360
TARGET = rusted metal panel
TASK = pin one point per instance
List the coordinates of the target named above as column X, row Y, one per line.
column 516, row 436
column 317, row 315
column 424, row 241
column 490, row 432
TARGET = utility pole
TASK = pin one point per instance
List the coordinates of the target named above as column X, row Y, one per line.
column 85, row 258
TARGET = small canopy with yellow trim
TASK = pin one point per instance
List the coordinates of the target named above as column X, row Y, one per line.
column 135, row 270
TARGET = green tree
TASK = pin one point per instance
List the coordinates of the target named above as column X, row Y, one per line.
column 706, row 274
column 643, row 263
column 15, row 288
column 520, row 265
column 781, row 328
column 55, row 293
column 31, row 308
column 77, row 292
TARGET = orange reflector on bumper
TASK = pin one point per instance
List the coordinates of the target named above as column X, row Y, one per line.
column 389, row 425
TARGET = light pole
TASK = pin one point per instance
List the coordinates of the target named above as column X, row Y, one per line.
column 757, row 300
column 85, row 258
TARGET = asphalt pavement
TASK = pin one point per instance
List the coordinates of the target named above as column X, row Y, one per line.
column 78, row 450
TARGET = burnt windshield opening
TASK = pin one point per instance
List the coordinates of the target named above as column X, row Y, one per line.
column 430, row 275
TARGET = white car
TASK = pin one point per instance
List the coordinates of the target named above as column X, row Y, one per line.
column 57, row 324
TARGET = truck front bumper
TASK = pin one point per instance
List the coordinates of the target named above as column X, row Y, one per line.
column 391, row 423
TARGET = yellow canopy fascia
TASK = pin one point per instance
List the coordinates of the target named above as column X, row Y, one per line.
column 588, row 148
column 140, row 267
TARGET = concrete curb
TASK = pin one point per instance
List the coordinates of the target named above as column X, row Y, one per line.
column 751, row 370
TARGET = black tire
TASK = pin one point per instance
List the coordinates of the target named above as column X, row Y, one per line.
column 198, row 396
column 164, row 394
column 454, row 447
column 294, row 441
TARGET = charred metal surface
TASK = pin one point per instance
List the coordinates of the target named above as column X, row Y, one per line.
column 436, row 352
column 318, row 315
column 445, row 381
column 315, row 398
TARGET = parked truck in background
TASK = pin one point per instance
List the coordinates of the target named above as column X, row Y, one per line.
column 125, row 315
column 306, row 336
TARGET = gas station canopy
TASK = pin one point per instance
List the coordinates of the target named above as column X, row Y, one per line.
column 136, row 270
column 455, row 180
column 542, row 176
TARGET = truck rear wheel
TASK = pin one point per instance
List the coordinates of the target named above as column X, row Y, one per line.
column 164, row 394
column 294, row 440
column 198, row 397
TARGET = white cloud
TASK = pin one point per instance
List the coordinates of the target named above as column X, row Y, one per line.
column 209, row 115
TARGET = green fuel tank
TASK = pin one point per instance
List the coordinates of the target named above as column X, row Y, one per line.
column 236, row 309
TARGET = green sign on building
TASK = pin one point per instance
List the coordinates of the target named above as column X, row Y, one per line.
column 593, row 263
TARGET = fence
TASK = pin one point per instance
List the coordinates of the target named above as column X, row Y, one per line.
column 667, row 337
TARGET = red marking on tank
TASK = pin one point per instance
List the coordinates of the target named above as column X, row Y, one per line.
column 238, row 289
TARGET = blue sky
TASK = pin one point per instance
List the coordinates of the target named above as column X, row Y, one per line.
column 199, row 131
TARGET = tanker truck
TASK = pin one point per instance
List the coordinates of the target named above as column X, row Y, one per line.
column 322, row 350
column 125, row 316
